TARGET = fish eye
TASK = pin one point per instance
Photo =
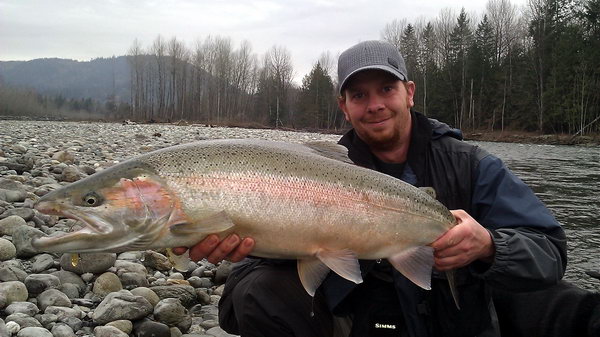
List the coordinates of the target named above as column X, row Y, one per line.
column 92, row 199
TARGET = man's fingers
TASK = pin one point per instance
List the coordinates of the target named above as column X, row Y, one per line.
column 242, row 250
column 179, row 250
column 204, row 247
column 224, row 249
column 451, row 238
column 451, row 262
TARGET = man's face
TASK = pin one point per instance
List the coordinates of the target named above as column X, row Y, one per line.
column 377, row 104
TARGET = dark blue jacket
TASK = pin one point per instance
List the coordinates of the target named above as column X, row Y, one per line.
column 530, row 244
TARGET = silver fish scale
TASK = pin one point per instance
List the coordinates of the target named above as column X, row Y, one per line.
column 267, row 158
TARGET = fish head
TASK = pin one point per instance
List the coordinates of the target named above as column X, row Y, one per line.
column 125, row 207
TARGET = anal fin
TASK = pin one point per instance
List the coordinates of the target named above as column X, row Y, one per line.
column 312, row 272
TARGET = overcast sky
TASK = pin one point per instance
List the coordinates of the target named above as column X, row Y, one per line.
column 86, row 29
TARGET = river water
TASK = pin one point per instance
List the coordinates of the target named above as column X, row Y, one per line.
column 567, row 180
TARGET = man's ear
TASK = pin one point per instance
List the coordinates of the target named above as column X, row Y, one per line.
column 342, row 104
column 410, row 92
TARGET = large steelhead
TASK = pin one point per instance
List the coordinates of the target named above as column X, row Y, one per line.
column 296, row 201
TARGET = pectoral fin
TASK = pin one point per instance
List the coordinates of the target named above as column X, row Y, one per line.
column 416, row 264
column 179, row 262
column 215, row 223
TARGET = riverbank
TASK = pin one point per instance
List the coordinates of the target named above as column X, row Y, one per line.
column 532, row 138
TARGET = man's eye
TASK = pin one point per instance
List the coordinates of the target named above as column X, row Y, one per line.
column 357, row 96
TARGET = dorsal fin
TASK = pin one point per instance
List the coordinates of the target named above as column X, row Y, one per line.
column 430, row 191
column 330, row 150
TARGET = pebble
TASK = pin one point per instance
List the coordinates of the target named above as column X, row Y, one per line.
column 106, row 284
column 130, row 267
column 53, row 297
column 157, row 261
column 62, row 330
column 23, row 320
column 34, row 332
column 121, row 305
column 94, row 263
column 42, row 262
column 108, row 331
column 68, row 277
column 9, row 224
column 148, row 294
column 223, row 270
column 25, row 213
column 22, row 237
column 26, row 308
column 203, row 296
column 123, row 325
column 12, row 196
column 13, row 291
column 64, row 312
column 186, row 294
column 3, row 329
column 12, row 328
column 170, row 312
column 73, row 322
column 152, row 329
column 7, row 250
column 47, row 320
column 38, row 283
column 71, row 174
column 133, row 280
column 70, row 290
column 87, row 277
column 64, row 157
column 218, row 332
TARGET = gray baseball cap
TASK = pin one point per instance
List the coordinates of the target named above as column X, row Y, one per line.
column 370, row 55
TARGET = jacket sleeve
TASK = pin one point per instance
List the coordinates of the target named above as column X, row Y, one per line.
column 530, row 244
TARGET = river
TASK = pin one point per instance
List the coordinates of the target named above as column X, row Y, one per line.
column 567, row 180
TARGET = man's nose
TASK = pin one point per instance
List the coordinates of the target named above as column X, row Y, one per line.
column 375, row 103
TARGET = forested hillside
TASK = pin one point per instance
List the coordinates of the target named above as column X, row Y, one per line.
column 98, row 79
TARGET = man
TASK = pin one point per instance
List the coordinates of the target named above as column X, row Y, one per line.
column 505, row 237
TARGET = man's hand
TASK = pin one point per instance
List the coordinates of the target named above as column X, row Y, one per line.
column 464, row 243
column 231, row 248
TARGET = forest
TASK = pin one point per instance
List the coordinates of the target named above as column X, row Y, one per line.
column 531, row 68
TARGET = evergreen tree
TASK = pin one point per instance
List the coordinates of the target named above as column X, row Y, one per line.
column 317, row 101
column 460, row 41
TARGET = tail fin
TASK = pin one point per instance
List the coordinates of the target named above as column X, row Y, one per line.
column 453, row 290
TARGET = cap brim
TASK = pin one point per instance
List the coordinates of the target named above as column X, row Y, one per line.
column 385, row 68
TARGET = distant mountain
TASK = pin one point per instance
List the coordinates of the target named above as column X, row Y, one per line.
column 97, row 79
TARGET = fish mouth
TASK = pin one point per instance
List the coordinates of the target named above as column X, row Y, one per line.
column 85, row 239
column 95, row 223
